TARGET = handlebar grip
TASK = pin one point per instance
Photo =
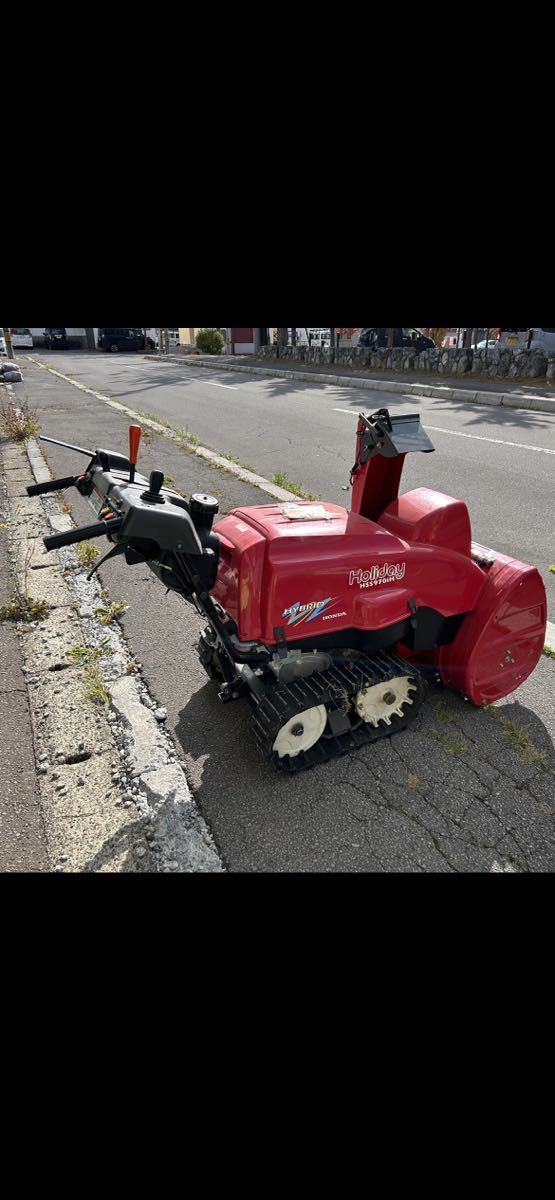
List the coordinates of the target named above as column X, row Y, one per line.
column 53, row 485
column 55, row 540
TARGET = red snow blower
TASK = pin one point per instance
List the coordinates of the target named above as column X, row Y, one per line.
column 328, row 620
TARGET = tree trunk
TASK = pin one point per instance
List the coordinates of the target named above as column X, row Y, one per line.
column 390, row 338
column 282, row 337
column 467, row 344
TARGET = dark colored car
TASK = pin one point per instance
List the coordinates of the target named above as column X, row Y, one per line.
column 123, row 339
column 410, row 338
column 56, row 339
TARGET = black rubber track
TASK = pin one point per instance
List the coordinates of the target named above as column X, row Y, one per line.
column 335, row 688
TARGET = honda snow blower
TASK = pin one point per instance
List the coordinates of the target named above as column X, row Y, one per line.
column 327, row 620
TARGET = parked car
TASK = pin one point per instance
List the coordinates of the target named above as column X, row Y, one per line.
column 411, row 338
column 22, row 339
column 123, row 339
column 454, row 339
column 523, row 339
column 56, row 339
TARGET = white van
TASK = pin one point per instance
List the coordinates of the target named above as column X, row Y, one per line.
column 22, row 339
column 531, row 338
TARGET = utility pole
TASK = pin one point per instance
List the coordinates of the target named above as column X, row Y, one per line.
column 9, row 347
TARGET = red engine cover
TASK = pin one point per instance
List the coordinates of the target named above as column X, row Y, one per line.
column 499, row 644
column 429, row 517
column 335, row 571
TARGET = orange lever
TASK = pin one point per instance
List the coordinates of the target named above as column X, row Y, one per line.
column 134, row 439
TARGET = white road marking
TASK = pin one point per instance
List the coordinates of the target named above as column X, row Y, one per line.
column 210, row 383
column 475, row 436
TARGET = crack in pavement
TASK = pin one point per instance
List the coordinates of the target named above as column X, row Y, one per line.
column 391, row 806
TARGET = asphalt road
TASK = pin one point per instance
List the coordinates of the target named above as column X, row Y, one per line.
column 501, row 462
column 458, row 792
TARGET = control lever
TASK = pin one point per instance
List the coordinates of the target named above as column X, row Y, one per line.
column 67, row 446
column 111, row 553
column 152, row 495
column 134, row 439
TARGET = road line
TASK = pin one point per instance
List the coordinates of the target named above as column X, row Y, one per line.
column 474, row 436
column 210, row 383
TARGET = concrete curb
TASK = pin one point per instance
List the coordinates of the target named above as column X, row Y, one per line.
column 550, row 636
column 138, row 815
column 497, row 399
column 243, row 473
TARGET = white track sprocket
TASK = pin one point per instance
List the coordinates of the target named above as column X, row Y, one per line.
column 378, row 703
column 301, row 732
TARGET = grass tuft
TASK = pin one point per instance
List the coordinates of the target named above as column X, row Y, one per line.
column 107, row 613
column 86, row 554
column 519, row 739
column 93, row 686
column 22, row 608
column 280, row 478
column 19, row 421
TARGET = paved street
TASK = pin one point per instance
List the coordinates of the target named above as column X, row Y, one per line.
column 463, row 790
column 501, row 462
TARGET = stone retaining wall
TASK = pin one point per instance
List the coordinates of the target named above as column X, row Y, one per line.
column 504, row 363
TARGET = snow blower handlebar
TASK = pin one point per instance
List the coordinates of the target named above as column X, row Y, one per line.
column 53, row 485
column 142, row 518
column 99, row 529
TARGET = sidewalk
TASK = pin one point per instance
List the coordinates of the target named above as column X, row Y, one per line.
column 474, row 389
column 22, row 832
column 89, row 776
